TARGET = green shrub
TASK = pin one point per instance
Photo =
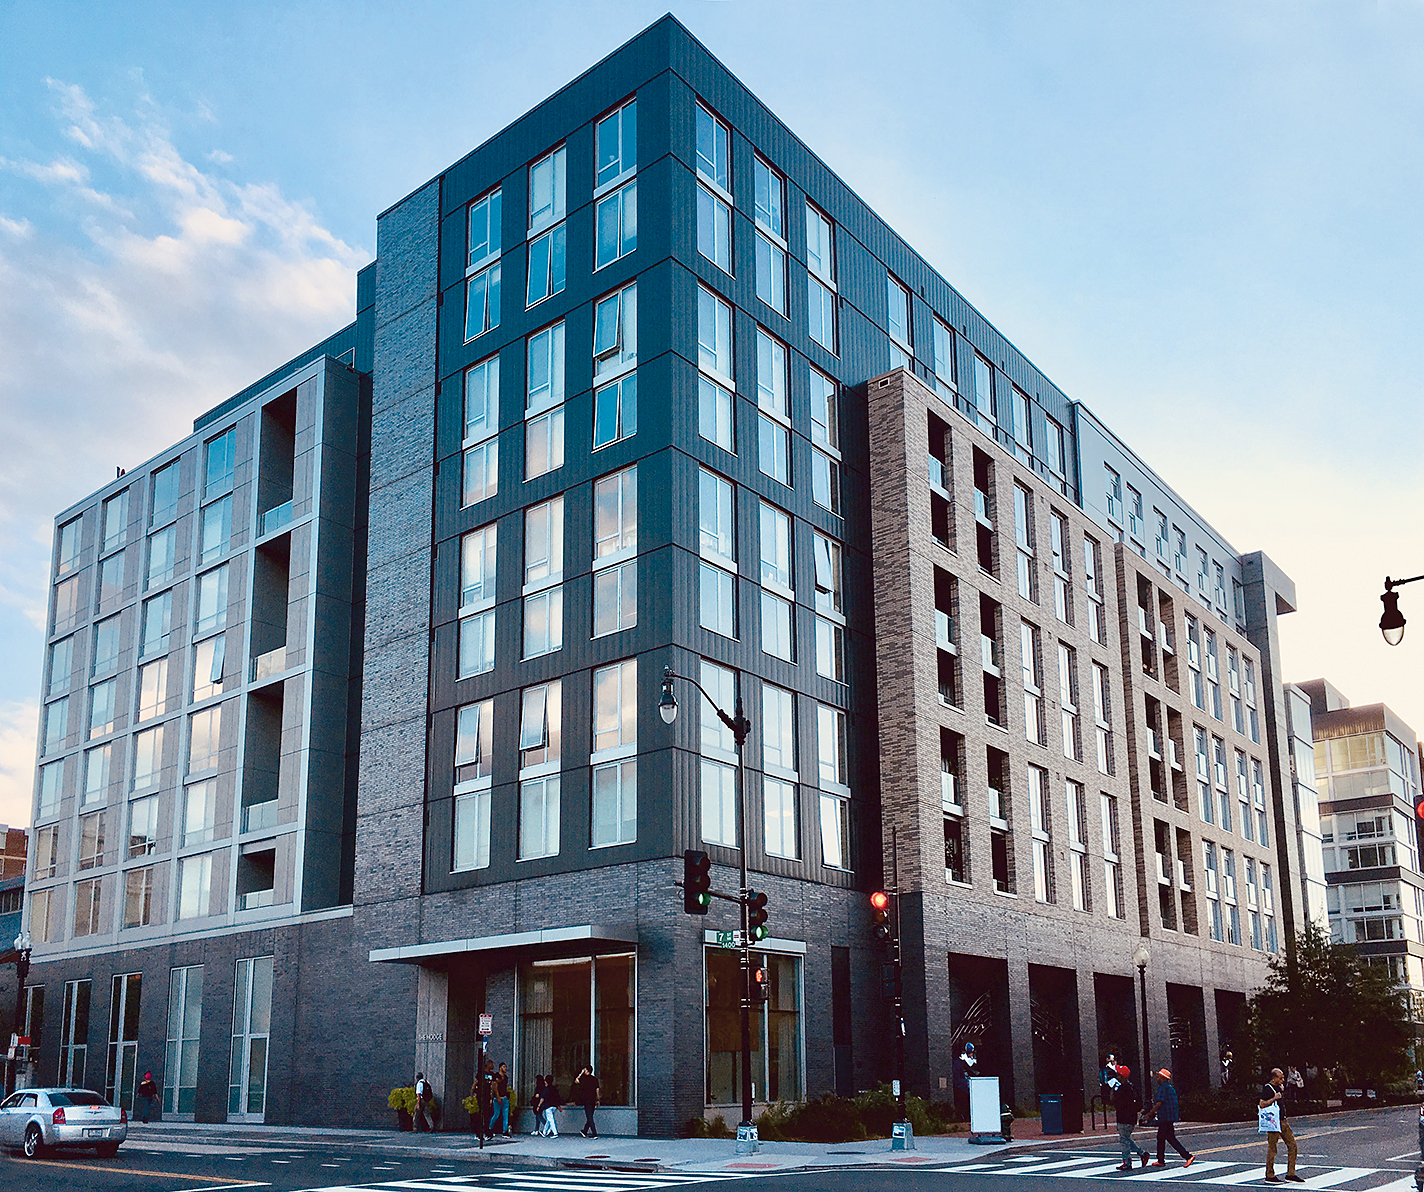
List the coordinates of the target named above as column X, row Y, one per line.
column 700, row 1127
column 399, row 1099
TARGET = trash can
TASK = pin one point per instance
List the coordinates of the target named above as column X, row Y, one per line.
column 1050, row 1112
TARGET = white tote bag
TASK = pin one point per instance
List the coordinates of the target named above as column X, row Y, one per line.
column 1268, row 1120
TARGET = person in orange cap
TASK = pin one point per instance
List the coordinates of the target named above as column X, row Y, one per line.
column 1167, row 1109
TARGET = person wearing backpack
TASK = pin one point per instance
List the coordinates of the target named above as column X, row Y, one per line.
column 422, row 1099
column 1129, row 1106
column 1166, row 1109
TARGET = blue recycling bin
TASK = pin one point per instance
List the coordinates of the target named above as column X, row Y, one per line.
column 1050, row 1112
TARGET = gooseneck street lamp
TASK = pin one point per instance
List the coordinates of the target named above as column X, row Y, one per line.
column 739, row 726
column 1140, row 958
column 1391, row 621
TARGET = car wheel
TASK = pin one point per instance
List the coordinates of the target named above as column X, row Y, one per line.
column 34, row 1141
column 107, row 1150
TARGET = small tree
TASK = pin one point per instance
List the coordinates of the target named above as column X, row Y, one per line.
column 1325, row 1007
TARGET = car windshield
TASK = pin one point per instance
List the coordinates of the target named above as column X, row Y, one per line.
column 76, row 1097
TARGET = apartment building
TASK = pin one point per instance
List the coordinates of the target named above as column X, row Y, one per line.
column 639, row 383
column 1366, row 766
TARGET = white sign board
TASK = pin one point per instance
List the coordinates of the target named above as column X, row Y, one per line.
column 984, row 1105
column 486, row 1025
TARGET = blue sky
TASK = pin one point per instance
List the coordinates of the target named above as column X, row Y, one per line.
column 1203, row 220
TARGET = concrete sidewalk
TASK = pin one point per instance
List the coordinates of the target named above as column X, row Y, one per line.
column 692, row 1155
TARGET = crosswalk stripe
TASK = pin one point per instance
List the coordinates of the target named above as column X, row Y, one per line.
column 1340, row 1175
column 1406, row 1184
column 1058, row 1166
column 1177, row 1173
column 1089, row 1172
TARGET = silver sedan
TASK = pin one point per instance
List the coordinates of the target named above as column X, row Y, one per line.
column 36, row 1119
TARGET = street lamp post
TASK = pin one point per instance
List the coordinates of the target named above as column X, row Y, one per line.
column 1391, row 621
column 740, row 726
column 22, row 972
column 1140, row 958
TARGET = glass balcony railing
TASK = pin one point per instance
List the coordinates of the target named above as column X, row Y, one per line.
column 1144, row 624
column 948, row 790
column 996, row 804
column 274, row 662
column 1184, row 879
column 938, row 477
column 258, row 816
column 944, row 631
column 989, row 649
column 981, row 507
column 1154, row 743
column 255, row 898
column 1165, row 638
column 274, row 519
column 1162, row 878
column 1172, row 758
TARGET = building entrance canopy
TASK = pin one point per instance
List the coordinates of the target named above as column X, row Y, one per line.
column 549, row 939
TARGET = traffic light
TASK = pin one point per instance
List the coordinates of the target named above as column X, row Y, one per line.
column 696, row 882
column 758, row 991
column 880, row 909
column 1419, row 808
column 756, row 915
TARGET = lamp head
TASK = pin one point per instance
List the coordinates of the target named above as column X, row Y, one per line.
column 22, row 942
column 1391, row 621
column 1142, row 955
column 667, row 702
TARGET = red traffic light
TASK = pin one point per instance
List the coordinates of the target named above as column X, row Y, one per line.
column 880, row 900
column 1419, row 807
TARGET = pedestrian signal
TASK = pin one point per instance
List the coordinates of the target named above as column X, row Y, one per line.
column 696, row 882
column 758, row 990
column 756, row 915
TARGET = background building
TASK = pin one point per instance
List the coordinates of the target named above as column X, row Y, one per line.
column 13, row 842
column 1367, row 770
column 863, row 513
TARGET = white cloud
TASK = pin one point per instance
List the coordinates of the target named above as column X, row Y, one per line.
column 19, row 722
column 136, row 291
column 220, row 156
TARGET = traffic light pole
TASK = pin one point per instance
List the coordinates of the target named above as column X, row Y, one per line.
column 740, row 727
column 899, row 982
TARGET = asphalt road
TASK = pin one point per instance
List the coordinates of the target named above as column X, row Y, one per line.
column 1352, row 1152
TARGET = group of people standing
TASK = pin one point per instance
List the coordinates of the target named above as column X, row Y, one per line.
column 491, row 1093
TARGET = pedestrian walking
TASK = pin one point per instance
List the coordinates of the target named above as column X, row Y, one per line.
column 422, row 1099
column 536, row 1105
column 586, row 1089
column 499, row 1116
column 148, row 1090
column 1108, row 1080
column 965, row 1064
column 1129, row 1106
column 483, row 1092
column 552, row 1101
column 1226, row 1062
column 1166, row 1109
column 1273, row 1098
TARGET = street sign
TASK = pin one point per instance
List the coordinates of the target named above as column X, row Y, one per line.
column 895, row 1088
column 486, row 1025
column 729, row 939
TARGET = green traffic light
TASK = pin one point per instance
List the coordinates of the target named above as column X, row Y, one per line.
column 759, row 933
column 704, row 900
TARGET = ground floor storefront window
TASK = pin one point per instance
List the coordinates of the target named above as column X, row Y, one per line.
column 777, row 1047
column 577, row 1012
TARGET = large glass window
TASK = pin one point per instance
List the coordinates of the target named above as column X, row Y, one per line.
column 482, row 302
column 714, row 336
column 901, row 347
column 714, row 414
column 615, row 332
column 477, row 568
column 61, row 665
column 185, row 1020
column 204, row 738
column 74, row 1032
column 51, row 788
column 616, row 221
column 714, row 229
column 777, row 1046
column 774, row 422
column 116, row 521
column 66, row 602
column 617, row 144
column 219, row 459
column 251, row 1030
column 713, row 155
column 577, row 1012
column 121, row 1069
column 946, row 377
column 547, row 190
column 484, row 229
column 216, row 530
column 548, row 267
column 162, row 547
column 165, row 493
column 770, row 199
column 825, row 442
column 212, row 599
column 539, row 817
column 719, row 803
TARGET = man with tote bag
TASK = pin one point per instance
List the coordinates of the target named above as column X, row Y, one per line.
column 1271, row 1113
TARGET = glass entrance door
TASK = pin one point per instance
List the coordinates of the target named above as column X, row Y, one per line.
column 123, row 1040
column 251, row 1029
